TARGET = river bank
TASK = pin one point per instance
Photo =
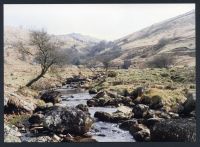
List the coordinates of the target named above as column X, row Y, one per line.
column 100, row 114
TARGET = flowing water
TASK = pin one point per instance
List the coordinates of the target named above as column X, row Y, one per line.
column 101, row 131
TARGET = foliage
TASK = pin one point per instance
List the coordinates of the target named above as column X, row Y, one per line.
column 162, row 61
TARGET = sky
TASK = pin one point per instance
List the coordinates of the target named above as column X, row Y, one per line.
column 103, row 21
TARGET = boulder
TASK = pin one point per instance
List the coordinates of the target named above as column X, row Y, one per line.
column 115, row 117
column 100, row 94
column 118, row 116
column 150, row 114
column 112, row 94
column 140, row 110
column 164, row 115
column 156, row 102
column 152, row 121
column 11, row 134
column 36, row 118
column 75, row 79
column 17, row 104
column 140, row 132
column 103, row 116
column 82, row 107
column 91, row 103
column 67, row 120
column 114, row 102
column 51, row 96
column 183, row 130
column 136, row 127
column 143, row 135
column 102, row 101
column 145, row 100
column 125, row 110
column 127, row 101
column 92, row 91
column 125, row 125
column 138, row 92
column 189, row 105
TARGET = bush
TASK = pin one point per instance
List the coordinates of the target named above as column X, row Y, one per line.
column 162, row 61
column 127, row 64
column 112, row 74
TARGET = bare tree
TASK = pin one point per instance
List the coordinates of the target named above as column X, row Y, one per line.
column 106, row 64
column 92, row 65
column 45, row 51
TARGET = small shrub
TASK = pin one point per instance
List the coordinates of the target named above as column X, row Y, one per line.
column 164, row 74
column 127, row 64
column 112, row 74
column 162, row 61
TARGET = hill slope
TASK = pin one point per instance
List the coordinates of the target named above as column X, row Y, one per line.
column 73, row 43
column 175, row 36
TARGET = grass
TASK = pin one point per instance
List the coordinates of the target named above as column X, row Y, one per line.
column 156, row 81
column 15, row 119
column 167, row 83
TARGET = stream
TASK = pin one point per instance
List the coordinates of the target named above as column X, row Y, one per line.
column 101, row 131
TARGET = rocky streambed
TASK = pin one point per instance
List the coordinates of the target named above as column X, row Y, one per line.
column 100, row 131
column 71, row 114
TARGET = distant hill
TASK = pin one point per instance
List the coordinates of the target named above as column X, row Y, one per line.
column 175, row 36
column 74, row 43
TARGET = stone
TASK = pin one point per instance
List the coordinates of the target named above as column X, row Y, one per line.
column 152, row 121
column 142, row 135
column 138, row 92
column 67, row 120
column 115, row 117
column 36, row 118
column 11, row 134
column 124, row 109
column 125, row 125
column 137, row 127
column 51, row 96
column 118, row 116
column 156, row 102
column 16, row 104
column 91, row 103
column 140, row 110
column 56, row 138
column 183, row 130
column 189, row 104
column 92, row 91
column 103, row 116
column 145, row 100
column 112, row 94
column 100, row 94
column 82, row 107
column 150, row 114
